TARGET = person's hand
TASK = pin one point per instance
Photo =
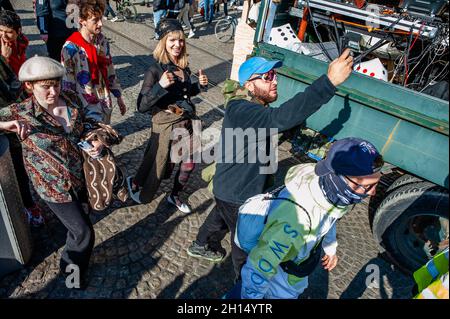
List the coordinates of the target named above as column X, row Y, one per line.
column 21, row 128
column 167, row 79
column 97, row 148
column 6, row 49
column 122, row 106
column 341, row 68
column 202, row 78
column 44, row 37
column 329, row 262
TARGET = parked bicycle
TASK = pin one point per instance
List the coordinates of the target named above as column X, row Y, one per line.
column 225, row 28
column 127, row 9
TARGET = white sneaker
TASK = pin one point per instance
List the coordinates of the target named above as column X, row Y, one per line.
column 116, row 19
column 182, row 207
column 134, row 195
column 191, row 34
column 105, row 18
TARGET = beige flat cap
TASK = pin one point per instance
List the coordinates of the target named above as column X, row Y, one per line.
column 40, row 68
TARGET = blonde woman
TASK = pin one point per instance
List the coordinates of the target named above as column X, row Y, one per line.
column 166, row 93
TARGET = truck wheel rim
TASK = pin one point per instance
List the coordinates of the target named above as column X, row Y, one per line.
column 420, row 237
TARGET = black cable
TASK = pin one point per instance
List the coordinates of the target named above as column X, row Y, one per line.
column 408, row 47
column 392, row 24
column 338, row 38
column 377, row 45
column 371, row 49
column 325, row 52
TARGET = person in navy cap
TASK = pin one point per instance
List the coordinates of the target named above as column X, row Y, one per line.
column 350, row 171
column 239, row 177
column 302, row 222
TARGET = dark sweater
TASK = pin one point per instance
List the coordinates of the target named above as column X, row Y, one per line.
column 236, row 182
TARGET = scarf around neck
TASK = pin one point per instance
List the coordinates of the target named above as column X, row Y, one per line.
column 338, row 192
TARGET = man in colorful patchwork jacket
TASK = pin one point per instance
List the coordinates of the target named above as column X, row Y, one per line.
column 89, row 69
column 318, row 195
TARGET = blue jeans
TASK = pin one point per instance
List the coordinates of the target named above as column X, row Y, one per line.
column 209, row 10
column 109, row 10
column 158, row 15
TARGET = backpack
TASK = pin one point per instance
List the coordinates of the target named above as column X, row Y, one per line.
column 252, row 218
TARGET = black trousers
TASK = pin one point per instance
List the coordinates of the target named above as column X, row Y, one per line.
column 15, row 149
column 223, row 216
column 54, row 47
column 80, row 235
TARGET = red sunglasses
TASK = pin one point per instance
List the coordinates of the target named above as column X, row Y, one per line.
column 268, row 76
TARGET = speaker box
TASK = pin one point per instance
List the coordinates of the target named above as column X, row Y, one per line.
column 15, row 237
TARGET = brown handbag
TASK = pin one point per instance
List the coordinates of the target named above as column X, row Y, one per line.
column 104, row 179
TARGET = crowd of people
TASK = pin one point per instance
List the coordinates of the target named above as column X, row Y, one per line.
column 56, row 112
column 183, row 10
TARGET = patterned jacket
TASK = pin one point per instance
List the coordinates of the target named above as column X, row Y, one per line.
column 51, row 156
column 95, row 98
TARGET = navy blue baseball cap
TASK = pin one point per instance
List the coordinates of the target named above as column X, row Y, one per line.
column 350, row 156
column 256, row 65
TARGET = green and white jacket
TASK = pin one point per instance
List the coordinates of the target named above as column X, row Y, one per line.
column 290, row 235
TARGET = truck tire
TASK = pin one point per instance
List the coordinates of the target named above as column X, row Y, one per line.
column 411, row 224
column 404, row 180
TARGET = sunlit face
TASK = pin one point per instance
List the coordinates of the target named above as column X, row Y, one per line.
column 8, row 34
column 364, row 184
column 93, row 23
column 45, row 92
column 263, row 88
column 174, row 45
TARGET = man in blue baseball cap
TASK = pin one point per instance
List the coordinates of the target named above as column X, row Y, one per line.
column 238, row 174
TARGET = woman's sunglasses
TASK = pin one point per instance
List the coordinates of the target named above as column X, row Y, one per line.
column 268, row 76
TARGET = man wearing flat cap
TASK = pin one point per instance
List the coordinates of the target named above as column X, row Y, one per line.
column 238, row 175
column 50, row 124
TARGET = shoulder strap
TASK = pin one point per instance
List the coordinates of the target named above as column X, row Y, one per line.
column 273, row 195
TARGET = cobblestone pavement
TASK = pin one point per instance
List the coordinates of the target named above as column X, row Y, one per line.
column 140, row 250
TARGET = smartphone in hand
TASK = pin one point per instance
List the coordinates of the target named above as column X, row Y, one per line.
column 85, row 145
